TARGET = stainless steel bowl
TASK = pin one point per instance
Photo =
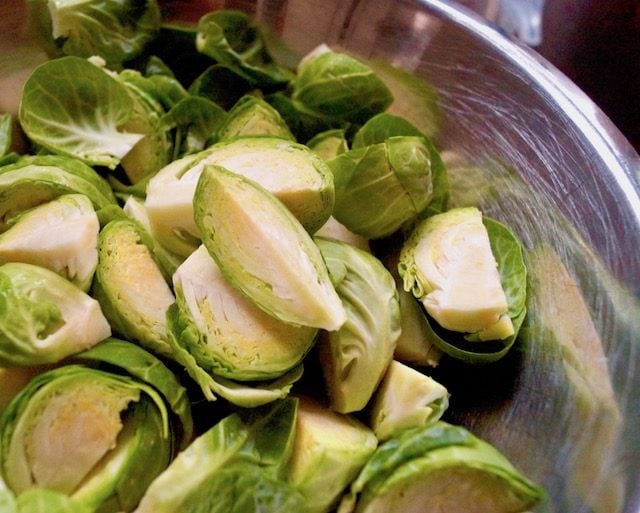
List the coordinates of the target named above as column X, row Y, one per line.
column 531, row 149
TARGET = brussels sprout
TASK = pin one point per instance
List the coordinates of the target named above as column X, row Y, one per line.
column 382, row 187
column 329, row 451
column 61, row 235
column 382, row 126
column 470, row 276
column 355, row 357
column 98, row 436
column 72, row 107
column 115, row 31
column 7, row 499
column 233, row 40
column 329, row 144
column 337, row 86
column 253, row 116
column 406, row 399
column 130, row 286
column 440, row 468
column 275, row 263
column 43, row 317
column 32, row 181
column 237, row 465
column 232, row 337
column 298, row 177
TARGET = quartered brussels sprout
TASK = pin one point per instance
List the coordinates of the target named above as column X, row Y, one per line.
column 43, row 317
column 96, row 434
column 338, row 87
column 34, row 180
column 354, row 358
column 253, row 116
column 405, row 399
column 297, row 176
column 130, row 286
column 329, row 450
column 115, row 31
column 72, row 107
column 228, row 336
column 470, row 276
column 382, row 187
column 237, row 465
column 61, row 235
column 439, row 468
column 232, row 39
column 42, row 500
column 264, row 251
column 329, row 144
column 333, row 229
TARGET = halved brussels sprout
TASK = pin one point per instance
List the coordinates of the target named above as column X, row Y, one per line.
column 99, row 436
column 354, row 358
column 329, row 144
column 116, row 31
column 297, row 176
column 42, row 500
column 6, row 128
column 469, row 274
column 61, row 235
column 130, row 287
column 329, row 450
column 380, row 188
column 233, row 40
column 439, row 468
column 34, row 180
column 337, row 86
column 230, row 336
column 264, row 251
column 406, row 399
column 72, row 107
column 253, row 116
column 43, row 317
column 237, row 465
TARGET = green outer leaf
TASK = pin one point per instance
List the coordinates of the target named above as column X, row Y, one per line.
column 122, row 244
column 141, row 364
column 220, row 84
column 7, row 499
column 117, row 31
column 195, row 480
column 340, row 87
column 414, row 453
column 238, row 393
column 303, row 125
column 355, row 357
column 295, row 286
column 6, row 124
column 72, row 107
column 233, row 40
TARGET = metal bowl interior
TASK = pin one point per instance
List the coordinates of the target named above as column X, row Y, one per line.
column 524, row 144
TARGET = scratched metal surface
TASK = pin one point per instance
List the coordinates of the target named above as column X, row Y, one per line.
column 529, row 148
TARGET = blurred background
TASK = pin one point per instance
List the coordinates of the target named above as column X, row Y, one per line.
column 596, row 43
